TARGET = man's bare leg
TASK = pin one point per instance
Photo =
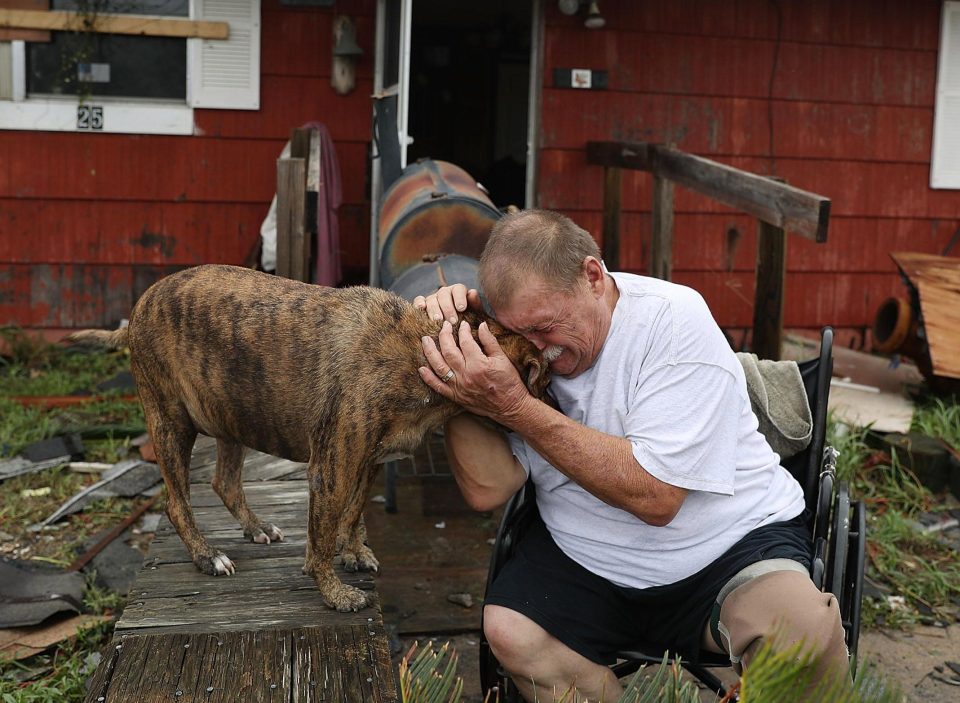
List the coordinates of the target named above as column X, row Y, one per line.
column 788, row 605
column 539, row 663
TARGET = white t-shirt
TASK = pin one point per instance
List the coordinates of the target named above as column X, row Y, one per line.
column 667, row 380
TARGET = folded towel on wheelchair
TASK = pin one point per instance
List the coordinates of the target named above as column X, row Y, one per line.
column 780, row 403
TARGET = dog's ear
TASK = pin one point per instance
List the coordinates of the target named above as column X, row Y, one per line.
column 537, row 377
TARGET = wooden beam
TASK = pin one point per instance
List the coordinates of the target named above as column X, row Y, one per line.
column 661, row 244
column 33, row 35
column 621, row 154
column 291, row 196
column 768, row 297
column 300, row 149
column 143, row 25
column 795, row 210
column 611, row 218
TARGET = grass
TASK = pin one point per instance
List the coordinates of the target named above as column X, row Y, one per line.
column 35, row 367
column 939, row 418
column 920, row 568
column 21, row 506
column 58, row 677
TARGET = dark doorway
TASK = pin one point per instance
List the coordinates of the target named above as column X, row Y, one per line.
column 469, row 82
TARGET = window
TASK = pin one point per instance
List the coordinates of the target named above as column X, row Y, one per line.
column 130, row 83
column 945, row 162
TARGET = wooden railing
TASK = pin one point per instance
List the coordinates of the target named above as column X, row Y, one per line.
column 779, row 208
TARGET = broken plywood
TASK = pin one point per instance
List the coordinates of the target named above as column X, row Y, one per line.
column 937, row 279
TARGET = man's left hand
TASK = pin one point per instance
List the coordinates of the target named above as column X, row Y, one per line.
column 484, row 380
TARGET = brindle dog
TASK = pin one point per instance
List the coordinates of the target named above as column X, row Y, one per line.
column 319, row 375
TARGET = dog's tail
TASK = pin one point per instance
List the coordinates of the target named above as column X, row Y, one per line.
column 104, row 338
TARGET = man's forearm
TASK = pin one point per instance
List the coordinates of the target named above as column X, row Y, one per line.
column 602, row 464
column 482, row 462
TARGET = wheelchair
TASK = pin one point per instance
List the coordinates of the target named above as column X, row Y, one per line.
column 837, row 525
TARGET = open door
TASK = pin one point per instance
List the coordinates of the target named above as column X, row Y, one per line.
column 457, row 82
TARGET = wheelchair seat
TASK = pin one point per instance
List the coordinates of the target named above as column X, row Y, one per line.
column 837, row 526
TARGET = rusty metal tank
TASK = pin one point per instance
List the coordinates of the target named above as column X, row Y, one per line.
column 425, row 278
column 434, row 208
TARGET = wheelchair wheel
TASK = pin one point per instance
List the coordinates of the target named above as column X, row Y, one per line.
column 852, row 596
column 839, row 542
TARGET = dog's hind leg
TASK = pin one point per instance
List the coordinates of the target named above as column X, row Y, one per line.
column 173, row 434
column 355, row 552
column 228, row 484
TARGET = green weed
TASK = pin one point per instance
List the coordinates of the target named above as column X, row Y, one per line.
column 20, row 426
column 35, row 367
column 920, row 568
column 939, row 418
column 62, row 675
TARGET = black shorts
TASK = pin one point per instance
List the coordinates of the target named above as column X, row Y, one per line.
column 597, row 618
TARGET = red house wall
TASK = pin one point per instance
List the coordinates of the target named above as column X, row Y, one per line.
column 88, row 221
column 836, row 97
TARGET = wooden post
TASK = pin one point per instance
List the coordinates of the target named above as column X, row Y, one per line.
column 661, row 244
column 291, row 198
column 611, row 217
column 768, row 299
column 300, row 149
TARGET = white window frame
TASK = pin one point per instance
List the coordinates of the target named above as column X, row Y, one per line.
column 945, row 159
column 134, row 115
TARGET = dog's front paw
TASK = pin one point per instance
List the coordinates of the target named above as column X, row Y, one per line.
column 344, row 598
column 217, row 564
column 360, row 560
column 265, row 534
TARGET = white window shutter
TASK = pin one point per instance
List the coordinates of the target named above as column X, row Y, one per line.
column 945, row 162
column 225, row 74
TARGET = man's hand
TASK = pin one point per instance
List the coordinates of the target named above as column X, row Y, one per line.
column 448, row 301
column 483, row 381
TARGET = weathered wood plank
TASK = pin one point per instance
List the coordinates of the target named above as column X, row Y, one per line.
column 100, row 681
column 141, row 25
column 937, row 279
column 768, row 298
column 262, row 634
column 778, row 204
column 291, row 209
column 258, row 467
column 661, row 245
column 611, row 217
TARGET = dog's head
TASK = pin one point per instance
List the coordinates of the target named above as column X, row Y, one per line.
column 526, row 358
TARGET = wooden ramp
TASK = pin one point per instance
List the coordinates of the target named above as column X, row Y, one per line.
column 262, row 634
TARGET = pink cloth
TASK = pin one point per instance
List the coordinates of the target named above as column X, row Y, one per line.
column 326, row 246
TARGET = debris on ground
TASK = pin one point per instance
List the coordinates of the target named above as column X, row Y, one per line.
column 22, row 642
column 19, row 466
column 29, row 595
column 127, row 478
column 116, row 564
column 89, row 467
column 464, row 599
column 65, row 445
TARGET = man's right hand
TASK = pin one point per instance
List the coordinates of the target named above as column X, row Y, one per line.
column 448, row 301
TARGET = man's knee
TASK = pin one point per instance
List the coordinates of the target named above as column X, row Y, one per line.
column 787, row 607
column 512, row 636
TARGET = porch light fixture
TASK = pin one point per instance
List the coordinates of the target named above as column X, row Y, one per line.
column 594, row 18
column 346, row 53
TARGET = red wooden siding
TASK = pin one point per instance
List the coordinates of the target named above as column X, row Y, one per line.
column 848, row 114
column 88, row 221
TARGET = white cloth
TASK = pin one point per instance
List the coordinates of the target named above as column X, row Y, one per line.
column 667, row 380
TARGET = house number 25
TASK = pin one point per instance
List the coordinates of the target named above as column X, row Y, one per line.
column 90, row 117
